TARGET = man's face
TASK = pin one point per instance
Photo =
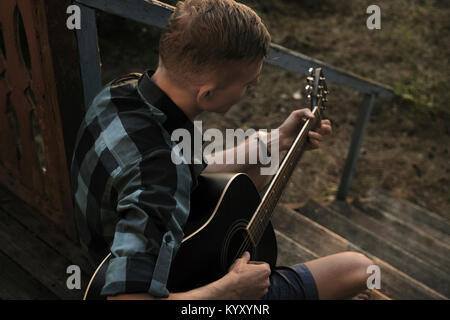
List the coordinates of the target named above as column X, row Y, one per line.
column 234, row 82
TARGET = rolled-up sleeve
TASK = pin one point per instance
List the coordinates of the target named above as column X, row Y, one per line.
column 153, row 206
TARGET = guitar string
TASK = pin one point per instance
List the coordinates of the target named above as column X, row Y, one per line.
column 259, row 225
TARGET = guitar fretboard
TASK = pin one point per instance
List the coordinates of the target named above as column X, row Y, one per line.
column 263, row 213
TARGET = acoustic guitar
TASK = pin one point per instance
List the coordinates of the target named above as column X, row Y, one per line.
column 228, row 216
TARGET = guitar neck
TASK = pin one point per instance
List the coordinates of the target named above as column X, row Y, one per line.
column 263, row 213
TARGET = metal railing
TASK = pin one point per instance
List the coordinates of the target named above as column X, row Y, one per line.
column 156, row 13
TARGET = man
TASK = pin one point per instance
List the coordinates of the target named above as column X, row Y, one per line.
column 132, row 200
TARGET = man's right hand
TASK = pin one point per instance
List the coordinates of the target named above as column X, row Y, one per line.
column 247, row 280
column 250, row 278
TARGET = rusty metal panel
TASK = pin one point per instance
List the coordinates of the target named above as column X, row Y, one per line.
column 32, row 154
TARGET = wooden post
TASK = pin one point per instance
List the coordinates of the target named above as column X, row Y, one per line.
column 358, row 135
column 89, row 55
column 66, row 65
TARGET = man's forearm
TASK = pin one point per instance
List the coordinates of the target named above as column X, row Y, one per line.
column 221, row 289
column 249, row 147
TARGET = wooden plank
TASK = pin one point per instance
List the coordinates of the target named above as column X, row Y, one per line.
column 156, row 13
column 17, row 284
column 322, row 242
column 44, row 230
column 377, row 295
column 417, row 267
column 410, row 239
column 42, row 262
column 374, row 211
column 355, row 146
column 411, row 213
column 291, row 252
column 89, row 55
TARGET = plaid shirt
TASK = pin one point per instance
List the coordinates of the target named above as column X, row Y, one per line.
column 130, row 198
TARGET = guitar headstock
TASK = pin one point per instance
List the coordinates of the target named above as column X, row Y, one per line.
column 316, row 89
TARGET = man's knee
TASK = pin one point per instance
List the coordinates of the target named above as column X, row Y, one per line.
column 361, row 264
column 363, row 261
column 358, row 259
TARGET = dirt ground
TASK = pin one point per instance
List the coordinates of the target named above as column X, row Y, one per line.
column 406, row 147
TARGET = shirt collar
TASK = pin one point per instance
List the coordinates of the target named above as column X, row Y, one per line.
column 153, row 94
column 176, row 118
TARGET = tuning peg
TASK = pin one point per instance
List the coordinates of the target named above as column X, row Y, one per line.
column 309, row 97
column 310, row 80
column 308, row 88
column 311, row 71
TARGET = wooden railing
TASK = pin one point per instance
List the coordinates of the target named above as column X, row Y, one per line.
column 156, row 13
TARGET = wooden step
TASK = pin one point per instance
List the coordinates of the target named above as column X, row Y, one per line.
column 416, row 267
column 35, row 249
column 420, row 218
column 38, row 259
column 45, row 230
column 378, row 295
column 17, row 284
column 291, row 253
column 417, row 243
column 374, row 211
column 322, row 242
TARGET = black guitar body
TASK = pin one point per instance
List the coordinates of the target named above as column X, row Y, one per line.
column 215, row 234
column 210, row 247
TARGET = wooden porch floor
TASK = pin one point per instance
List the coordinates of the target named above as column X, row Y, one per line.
column 35, row 254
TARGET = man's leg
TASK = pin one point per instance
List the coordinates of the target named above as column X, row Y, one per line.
column 340, row 276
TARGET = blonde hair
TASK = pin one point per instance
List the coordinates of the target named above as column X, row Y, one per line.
column 202, row 35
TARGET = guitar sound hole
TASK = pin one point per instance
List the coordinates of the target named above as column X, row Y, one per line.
column 235, row 245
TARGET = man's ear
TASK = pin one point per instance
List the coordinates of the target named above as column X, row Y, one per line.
column 205, row 94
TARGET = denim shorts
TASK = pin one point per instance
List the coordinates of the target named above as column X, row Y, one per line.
column 292, row 283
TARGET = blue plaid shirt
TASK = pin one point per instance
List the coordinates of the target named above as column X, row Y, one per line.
column 130, row 198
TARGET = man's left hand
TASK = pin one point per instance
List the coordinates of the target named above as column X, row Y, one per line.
column 290, row 128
